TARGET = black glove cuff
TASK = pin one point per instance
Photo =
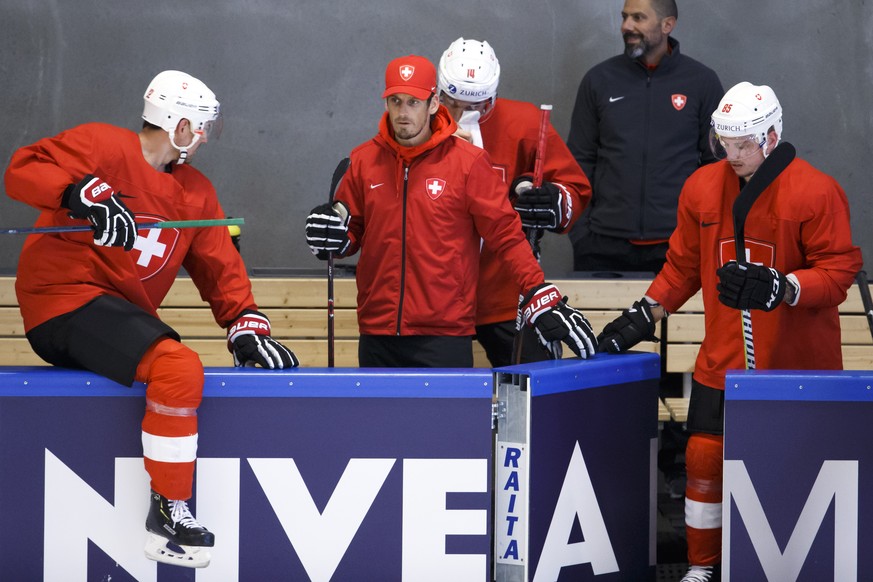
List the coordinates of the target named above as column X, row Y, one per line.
column 65, row 197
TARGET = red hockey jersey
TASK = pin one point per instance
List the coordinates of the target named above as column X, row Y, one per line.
column 799, row 225
column 509, row 135
column 58, row 273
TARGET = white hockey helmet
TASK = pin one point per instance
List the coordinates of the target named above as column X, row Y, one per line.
column 469, row 71
column 173, row 96
column 745, row 111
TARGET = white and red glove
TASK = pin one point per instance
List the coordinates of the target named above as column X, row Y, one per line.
column 96, row 201
column 248, row 339
column 544, row 309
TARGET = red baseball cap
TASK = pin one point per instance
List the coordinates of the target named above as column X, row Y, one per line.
column 413, row 75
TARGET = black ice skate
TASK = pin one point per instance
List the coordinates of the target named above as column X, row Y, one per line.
column 174, row 536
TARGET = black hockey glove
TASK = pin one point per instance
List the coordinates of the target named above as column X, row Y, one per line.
column 96, row 201
column 634, row 325
column 248, row 339
column 547, row 312
column 547, row 207
column 327, row 229
column 750, row 286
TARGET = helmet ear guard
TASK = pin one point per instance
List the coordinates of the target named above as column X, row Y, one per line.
column 469, row 71
column 745, row 111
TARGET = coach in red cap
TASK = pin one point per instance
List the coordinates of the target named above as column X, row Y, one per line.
column 416, row 202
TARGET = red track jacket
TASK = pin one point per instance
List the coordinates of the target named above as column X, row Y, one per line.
column 417, row 218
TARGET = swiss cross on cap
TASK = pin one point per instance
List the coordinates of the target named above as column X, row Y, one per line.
column 406, row 72
column 411, row 75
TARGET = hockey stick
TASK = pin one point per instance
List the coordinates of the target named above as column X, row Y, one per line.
column 532, row 233
column 866, row 301
column 766, row 173
column 140, row 226
column 334, row 182
column 538, row 170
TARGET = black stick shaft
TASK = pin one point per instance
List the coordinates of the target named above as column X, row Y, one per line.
column 866, row 301
column 338, row 173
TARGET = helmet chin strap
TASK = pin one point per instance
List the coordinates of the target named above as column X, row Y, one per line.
column 767, row 151
column 183, row 150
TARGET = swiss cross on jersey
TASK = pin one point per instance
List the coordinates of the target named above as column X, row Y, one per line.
column 757, row 252
column 153, row 246
column 678, row 100
column 435, row 187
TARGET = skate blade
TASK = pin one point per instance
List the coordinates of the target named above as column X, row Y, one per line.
column 160, row 549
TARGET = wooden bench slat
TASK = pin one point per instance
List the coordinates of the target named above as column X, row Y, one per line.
column 680, row 357
column 678, row 408
column 688, row 328
column 297, row 309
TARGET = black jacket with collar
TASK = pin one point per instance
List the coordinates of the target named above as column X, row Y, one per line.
column 638, row 134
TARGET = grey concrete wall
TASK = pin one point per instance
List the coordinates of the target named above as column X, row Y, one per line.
column 299, row 83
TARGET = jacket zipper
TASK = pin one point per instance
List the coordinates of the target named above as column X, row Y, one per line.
column 645, row 155
column 402, row 250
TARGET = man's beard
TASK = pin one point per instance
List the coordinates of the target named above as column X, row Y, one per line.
column 637, row 50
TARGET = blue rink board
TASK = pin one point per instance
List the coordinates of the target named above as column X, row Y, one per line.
column 800, row 385
column 552, row 377
column 798, row 472
column 87, row 430
column 253, row 382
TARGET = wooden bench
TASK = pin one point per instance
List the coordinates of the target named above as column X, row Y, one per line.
column 297, row 308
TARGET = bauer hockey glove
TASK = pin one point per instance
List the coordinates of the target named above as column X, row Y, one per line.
column 750, row 286
column 548, row 207
column 96, row 201
column 634, row 325
column 248, row 339
column 327, row 230
column 543, row 309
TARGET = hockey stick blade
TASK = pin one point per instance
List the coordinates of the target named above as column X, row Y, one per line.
column 140, row 226
column 338, row 174
column 766, row 173
column 769, row 170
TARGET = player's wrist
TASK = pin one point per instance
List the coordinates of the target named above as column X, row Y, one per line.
column 792, row 290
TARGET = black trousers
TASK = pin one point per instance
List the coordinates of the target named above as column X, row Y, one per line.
column 107, row 336
column 415, row 351
column 497, row 339
column 705, row 409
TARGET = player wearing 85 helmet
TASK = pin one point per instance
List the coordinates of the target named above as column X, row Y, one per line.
column 796, row 273
column 94, row 306
column 468, row 78
column 741, row 126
